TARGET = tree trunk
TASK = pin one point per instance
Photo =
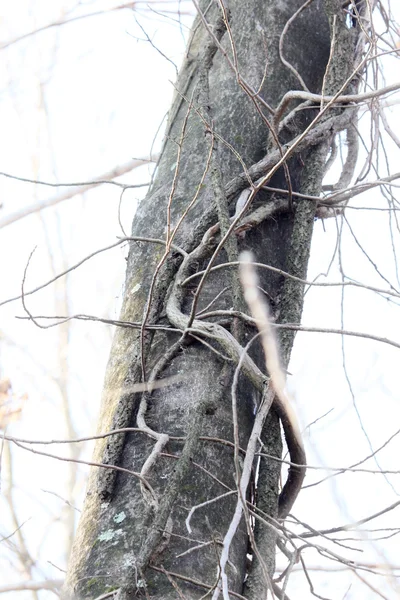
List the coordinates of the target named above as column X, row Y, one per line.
column 132, row 535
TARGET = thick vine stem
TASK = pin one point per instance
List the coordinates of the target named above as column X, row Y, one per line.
column 162, row 439
column 159, row 523
column 216, row 176
column 125, row 407
column 234, row 350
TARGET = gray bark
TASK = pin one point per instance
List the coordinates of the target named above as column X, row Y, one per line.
column 120, row 542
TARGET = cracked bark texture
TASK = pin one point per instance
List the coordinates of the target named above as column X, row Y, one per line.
column 116, row 520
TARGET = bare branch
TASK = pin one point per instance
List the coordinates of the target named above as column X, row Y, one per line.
column 50, row 584
column 80, row 188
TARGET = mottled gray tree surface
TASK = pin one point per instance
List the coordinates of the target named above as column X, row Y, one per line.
column 224, row 136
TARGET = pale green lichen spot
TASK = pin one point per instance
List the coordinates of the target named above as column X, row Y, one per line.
column 119, row 517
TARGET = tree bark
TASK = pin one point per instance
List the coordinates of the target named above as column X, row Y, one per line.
column 132, row 534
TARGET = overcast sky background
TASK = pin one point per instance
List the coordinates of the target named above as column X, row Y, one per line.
column 78, row 100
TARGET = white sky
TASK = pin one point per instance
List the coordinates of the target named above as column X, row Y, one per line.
column 75, row 102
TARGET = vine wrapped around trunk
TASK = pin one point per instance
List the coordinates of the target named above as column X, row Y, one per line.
column 225, row 145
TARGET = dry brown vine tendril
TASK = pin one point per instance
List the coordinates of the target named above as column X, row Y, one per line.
column 260, row 312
